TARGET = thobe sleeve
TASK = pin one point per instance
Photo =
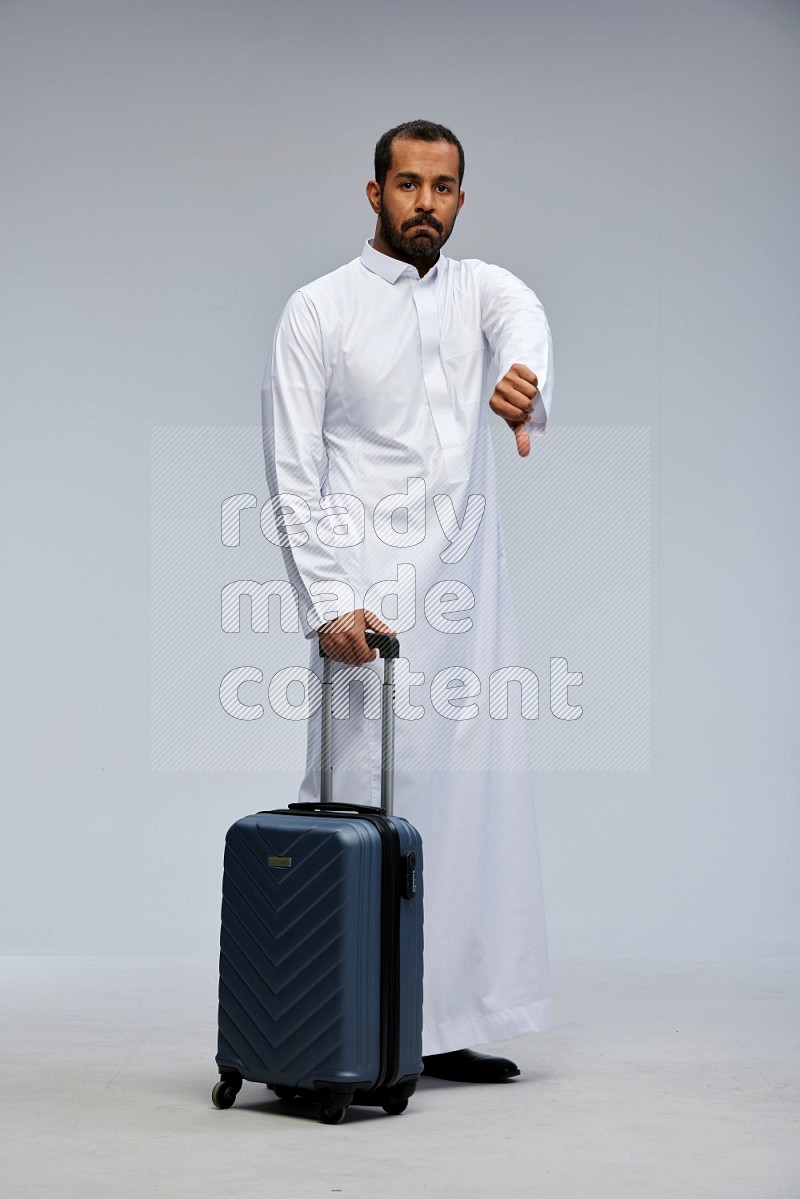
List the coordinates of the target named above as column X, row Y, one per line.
column 293, row 412
column 516, row 328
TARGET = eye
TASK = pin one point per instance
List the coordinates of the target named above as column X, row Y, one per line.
column 446, row 186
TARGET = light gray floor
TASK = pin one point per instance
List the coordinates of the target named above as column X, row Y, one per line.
column 659, row 1079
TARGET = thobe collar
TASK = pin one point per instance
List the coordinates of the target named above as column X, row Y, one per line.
column 392, row 269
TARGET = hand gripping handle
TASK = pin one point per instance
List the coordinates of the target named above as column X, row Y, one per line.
column 386, row 645
column 389, row 648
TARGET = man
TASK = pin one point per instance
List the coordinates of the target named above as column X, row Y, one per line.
column 379, row 461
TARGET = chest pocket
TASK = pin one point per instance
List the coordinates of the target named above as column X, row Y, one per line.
column 463, row 360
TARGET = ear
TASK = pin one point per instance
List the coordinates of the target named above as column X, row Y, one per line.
column 374, row 195
column 460, row 201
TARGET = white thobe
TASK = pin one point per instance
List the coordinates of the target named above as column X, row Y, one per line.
column 377, row 387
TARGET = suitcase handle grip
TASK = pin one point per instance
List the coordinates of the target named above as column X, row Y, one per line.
column 386, row 645
column 337, row 807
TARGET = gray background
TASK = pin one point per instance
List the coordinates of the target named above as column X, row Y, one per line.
column 173, row 172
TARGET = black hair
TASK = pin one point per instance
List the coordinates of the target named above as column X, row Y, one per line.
column 425, row 131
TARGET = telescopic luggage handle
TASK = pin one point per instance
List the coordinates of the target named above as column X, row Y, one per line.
column 389, row 648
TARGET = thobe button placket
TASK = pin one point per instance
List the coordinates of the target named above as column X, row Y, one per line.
column 447, row 430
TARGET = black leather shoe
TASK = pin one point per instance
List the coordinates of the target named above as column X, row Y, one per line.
column 465, row 1065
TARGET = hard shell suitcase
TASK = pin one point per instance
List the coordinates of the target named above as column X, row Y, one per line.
column 320, row 987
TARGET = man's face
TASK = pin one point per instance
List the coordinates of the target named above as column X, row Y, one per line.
column 420, row 199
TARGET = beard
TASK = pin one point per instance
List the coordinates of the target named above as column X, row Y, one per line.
column 409, row 240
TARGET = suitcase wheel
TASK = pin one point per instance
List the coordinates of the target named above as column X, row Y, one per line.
column 287, row 1094
column 394, row 1107
column 224, row 1094
column 332, row 1113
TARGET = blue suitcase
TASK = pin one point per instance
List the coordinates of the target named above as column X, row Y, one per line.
column 320, row 987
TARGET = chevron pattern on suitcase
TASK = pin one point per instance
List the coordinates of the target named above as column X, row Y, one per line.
column 297, row 994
